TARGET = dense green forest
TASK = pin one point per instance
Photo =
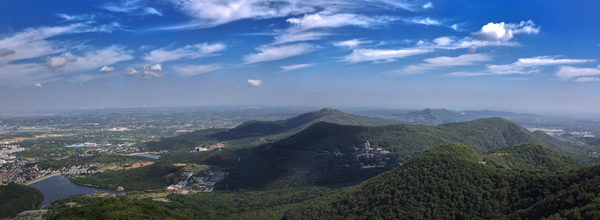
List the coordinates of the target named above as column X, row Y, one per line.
column 112, row 208
column 154, row 176
column 15, row 198
column 450, row 182
column 532, row 157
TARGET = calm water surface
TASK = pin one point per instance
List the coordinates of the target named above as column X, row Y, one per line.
column 59, row 187
column 153, row 156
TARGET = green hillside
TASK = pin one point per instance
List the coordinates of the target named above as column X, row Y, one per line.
column 252, row 131
column 449, row 182
column 406, row 140
column 307, row 158
column 532, row 157
column 15, row 198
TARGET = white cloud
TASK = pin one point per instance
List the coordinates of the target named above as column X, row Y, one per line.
column 32, row 42
column 587, row 79
column 210, row 13
column 135, row 7
column 254, row 82
column 70, row 63
column 192, row 70
column 60, row 61
column 424, row 21
column 362, row 55
column 130, row 71
column 83, row 17
column 296, row 66
column 329, row 20
column 428, row 5
column 569, row 72
column 351, row 43
column 531, row 65
column 187, row 52
column 295, row 37
column 37, row 85
column 151, row 71
column 279, row 52
column 106, row 69
column 439, row 62
column 444, row 41
column 504, row 32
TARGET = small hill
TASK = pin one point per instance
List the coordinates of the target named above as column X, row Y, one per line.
column 265, row 128
column 449, row 182
column 251, row 132
column 112, row 208
column 532, row 157
column 15, row 198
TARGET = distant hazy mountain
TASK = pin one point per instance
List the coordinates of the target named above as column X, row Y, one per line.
column 451, row 182
column 441, row 116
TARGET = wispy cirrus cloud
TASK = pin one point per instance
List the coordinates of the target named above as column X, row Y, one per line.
column 387, row 55
column 33, row 42
column 188, row 52
column 81, row 17
column 69, row 63
column 270, row 53
column 570, row 72
column 532, row 65
column 192, row 70
column 296, row 67
column 134, row 7
column 444, row 61
column 296, row 37
column 210, row 13
column 351, row 43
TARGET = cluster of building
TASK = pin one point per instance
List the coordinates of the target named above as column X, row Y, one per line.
column 203, row 181
column 20, row 171
column 79, row 169
column 8, row 147
column 86, row 144
column 367, row 156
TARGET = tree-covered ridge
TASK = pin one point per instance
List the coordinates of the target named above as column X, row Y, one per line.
column 532, row 157
column 112, row 208
column 449, row 182
column 252, row 131
column 154, row 176
column 406, row 140
column 15, row 198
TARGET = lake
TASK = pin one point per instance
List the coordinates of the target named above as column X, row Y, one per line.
column 59, row 187
column 153, row 156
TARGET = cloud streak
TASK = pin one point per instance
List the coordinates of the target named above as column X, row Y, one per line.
column 188, row 52
column 268, row 53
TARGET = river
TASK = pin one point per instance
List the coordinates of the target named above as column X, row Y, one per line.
column 59, row 187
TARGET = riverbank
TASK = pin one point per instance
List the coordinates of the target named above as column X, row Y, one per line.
column 40, row 179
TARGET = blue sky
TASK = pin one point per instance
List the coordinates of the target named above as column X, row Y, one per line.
column 524, row 56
